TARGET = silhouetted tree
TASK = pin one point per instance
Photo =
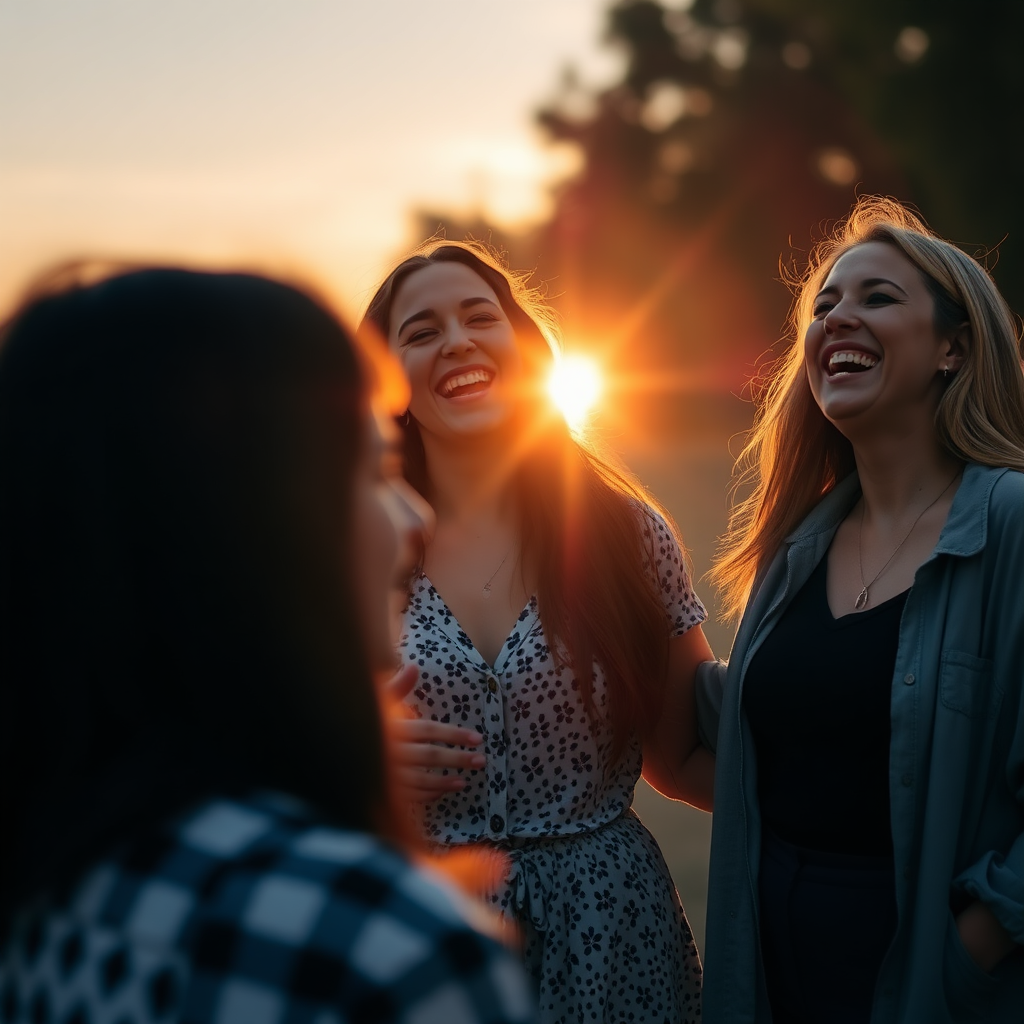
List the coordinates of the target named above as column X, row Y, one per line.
column 757, row 121
column 740, row 128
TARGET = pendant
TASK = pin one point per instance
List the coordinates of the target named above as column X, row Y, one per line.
column 486, row 590
column 862, row 599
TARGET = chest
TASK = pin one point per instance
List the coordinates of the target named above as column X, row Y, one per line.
column 482, row 583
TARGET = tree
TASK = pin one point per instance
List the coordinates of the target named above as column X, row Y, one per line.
column 740, row 130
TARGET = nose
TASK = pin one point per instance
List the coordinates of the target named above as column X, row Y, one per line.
column 457, row 339
column 838, row 317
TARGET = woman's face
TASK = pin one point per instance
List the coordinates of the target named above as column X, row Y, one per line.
column 872, row 354
column 390, row 523
column 458, row 349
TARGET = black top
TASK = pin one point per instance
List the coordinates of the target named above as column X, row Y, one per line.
column 817, row 695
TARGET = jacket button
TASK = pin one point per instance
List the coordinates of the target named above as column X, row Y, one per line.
column 908, row 779
column 497, row 822
column 908, row 679
column 492, row 684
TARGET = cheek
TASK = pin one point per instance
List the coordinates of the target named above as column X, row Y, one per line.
column 814, row 337
column 417, row 371
column 374, row 542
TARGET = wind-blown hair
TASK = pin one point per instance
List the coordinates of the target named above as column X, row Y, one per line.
column 582, row 519
column 793, row 456
column 178, row 610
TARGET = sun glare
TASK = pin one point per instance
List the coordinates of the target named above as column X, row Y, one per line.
column 574, row 387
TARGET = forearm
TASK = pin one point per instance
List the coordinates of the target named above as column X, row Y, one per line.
column 692, row 780
column 984, row 938
column 675, row 763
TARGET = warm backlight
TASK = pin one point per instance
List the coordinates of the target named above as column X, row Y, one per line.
column 575, row 387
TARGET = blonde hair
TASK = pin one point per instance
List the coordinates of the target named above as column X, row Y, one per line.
column 793, row 456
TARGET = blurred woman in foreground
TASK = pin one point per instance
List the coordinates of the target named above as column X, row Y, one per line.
column 551, row 635
column 867, row 859
column 199, row 531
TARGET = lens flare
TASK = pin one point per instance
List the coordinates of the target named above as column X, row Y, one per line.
column 574, row 387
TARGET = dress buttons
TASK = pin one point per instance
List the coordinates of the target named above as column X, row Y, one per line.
column 497, row 822
column 908, row 679
column 908, row 779
column 492, row 684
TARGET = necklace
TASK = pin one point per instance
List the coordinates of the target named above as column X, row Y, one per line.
column 862, row 597
column 486, row 591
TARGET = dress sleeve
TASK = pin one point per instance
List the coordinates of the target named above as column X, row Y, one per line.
column 682, row 606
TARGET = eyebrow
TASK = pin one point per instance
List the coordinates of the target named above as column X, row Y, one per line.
column 868, row 282
column 428, row 314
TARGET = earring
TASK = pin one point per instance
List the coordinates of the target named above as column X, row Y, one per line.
column 946, row 373
column 403, row 420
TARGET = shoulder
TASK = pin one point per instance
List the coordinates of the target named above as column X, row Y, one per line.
column 271, row 907
column 1007, row 498
column 1005, row 530
column 658, row 532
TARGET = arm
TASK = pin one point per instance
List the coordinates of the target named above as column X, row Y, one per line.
column 984, row 938
column 675, row 762
column 993, row 925
column 417, row 746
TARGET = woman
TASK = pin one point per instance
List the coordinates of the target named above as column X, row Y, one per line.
column 867, row 859
column 551, row 632
column 198, row 536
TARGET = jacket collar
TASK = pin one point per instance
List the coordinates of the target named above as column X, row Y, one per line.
column 966, row 529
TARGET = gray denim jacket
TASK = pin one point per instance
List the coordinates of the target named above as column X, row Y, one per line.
column 956, row 766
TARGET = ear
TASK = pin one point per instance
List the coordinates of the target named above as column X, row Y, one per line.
column 958, row 345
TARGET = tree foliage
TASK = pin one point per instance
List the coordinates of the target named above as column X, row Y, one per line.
column 741, row 128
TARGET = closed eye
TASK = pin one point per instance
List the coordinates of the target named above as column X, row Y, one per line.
column 422, row 335
column 880, row 299
column 821, row 308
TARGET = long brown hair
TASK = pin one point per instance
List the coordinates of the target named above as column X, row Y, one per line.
column 793, row 456
column 582, row 517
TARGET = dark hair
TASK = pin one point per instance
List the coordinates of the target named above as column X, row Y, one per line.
column 177, row 606
column 581, row 517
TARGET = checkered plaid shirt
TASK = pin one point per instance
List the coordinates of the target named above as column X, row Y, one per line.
column 250, row 912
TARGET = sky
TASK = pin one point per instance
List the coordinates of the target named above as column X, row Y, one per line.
column 293, row 136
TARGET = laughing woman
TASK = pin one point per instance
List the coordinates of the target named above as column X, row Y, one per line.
column 867, row 859
column 552, row 634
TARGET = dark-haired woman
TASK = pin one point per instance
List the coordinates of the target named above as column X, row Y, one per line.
column 867, row 857
column 552, row 636
column 194, row 492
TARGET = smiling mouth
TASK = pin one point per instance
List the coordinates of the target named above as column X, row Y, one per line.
column 471, row 382
column 844, row 363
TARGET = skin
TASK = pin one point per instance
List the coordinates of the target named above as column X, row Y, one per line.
column 875, row 303
column 447, row 323
column 389, row 522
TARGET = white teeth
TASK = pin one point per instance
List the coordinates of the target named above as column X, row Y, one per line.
column 858, row 358
column 472, row 377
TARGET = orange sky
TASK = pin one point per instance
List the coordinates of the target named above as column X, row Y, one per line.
column 293, row 135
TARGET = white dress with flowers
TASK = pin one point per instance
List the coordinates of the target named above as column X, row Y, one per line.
column 605, row 936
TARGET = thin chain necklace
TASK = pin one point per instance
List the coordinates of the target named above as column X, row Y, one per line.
column 862, row 597
column 486, row 591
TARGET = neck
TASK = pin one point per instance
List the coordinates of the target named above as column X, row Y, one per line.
column 470, row 478
column 898, row 478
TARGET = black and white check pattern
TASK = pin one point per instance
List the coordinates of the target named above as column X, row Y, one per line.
column 250, row 912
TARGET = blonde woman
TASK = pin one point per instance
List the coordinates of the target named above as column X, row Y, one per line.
column 867, row 859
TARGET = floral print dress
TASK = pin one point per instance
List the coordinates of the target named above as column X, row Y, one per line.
column 604, row 933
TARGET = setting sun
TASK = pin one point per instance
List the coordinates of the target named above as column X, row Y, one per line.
column 575, row 386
